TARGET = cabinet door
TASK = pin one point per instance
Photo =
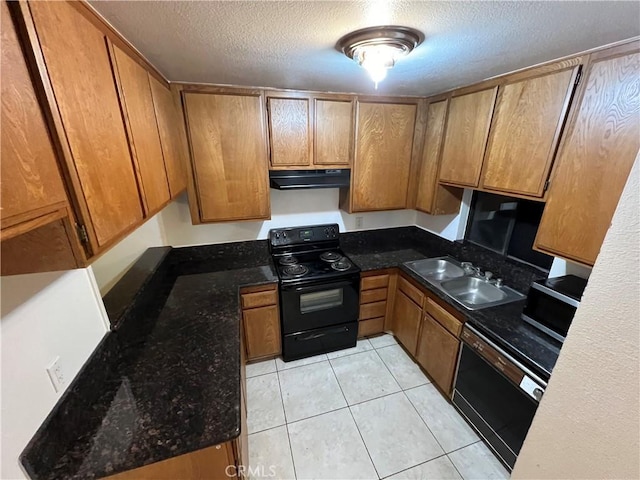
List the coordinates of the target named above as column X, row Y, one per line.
column 262, row 331
column 229, row 157
column 525, row 131
column 80, row 73
column 433, row 198
column 384, row 141
column 438, row 353
column 406, row 321
column 333, row 132
column 290, row 132
column 595, row 158
column 140, row 120
column 31, row 184
column 172, row 135
column 466, row 137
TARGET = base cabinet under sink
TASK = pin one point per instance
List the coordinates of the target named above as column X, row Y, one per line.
column 437, row 353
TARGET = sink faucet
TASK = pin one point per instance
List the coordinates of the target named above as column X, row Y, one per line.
column 488, row 276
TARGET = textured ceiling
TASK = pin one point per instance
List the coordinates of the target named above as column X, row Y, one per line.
column 291, row 44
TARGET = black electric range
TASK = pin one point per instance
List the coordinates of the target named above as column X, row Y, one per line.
column 319, row 290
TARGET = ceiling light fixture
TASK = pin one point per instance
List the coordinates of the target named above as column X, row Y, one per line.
column 377, row 49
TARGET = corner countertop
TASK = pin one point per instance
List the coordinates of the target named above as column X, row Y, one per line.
column 153, row 389
column 167, row 380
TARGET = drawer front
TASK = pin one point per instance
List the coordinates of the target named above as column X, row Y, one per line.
column 444, row 318
column 370, row 327
column 372, row 310
column 370, row 296
column 259, row 299
column 410, row 291
column 377, row 281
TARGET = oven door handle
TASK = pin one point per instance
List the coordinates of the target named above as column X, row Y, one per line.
column 313, row 336
column 326, row 286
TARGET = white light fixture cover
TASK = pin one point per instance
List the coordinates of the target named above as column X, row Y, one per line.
column 377, row 49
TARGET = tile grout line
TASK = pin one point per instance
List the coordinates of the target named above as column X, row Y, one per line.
column 354, row 420
column 286, row 425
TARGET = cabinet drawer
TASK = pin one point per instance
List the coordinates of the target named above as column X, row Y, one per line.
column 259, row 299
column 370, row 327
column 370, row 296
column 373, row 310
column 444, row 318
column 410, row 291
column 377, row 281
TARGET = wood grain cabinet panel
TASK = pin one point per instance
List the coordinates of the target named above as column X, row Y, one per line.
column 432, row 197
column 262, row 331
column 438, row 353
column 466, row 137
column 80, row 72
column 527, row 121
column 406, row 321
column 229, row 156
column 140, row 120
column 333, row 132
column 209, row 463
column 384, row 142
column 172, row 135
column 290, row 132
column 31, row 184
column 595, row 158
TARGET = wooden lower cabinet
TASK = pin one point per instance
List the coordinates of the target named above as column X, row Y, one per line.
column 406, row 321
column 217, row 462
column 261, row 322
column 437, row 353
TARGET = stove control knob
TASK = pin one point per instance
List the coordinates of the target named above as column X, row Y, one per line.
column 277, row 234
column 284, row 234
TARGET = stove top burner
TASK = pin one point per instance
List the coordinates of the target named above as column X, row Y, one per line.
column 288, row 260
column 330, row 256
column 341, row 265
column 295, row 270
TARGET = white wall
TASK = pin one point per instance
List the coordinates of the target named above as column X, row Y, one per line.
column 43, row 316
column 111, row 266
column 288, row 208
column 588, row 423
column 451, row 227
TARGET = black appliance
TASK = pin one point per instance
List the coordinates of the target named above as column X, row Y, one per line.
column 552, row 303
column 319, row 290
column 298, row 179
column 496, row 393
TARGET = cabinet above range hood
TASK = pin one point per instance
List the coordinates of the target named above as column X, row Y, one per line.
column 298, row 179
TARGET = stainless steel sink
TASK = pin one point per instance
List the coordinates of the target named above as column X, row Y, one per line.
column 464, row 285
column 438, row 269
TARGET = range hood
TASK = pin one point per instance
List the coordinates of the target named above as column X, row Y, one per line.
column 297, row 179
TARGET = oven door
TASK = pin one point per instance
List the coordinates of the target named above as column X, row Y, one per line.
column 308, row 307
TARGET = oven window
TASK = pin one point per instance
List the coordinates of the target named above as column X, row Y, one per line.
column 315, row 301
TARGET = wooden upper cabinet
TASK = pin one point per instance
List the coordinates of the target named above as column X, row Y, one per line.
column 228, row 157
column 290, row 132
column 173, row 137
column 595, row 157
column 466, row 137
column 525, row 131
column 431, row 197
column 99, row 165
column 140, row 120
column 333, row 132
column 384, row 142
column 31, row 184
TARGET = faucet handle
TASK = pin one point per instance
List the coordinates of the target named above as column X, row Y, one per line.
column 488, row 275
column 468, row 267
column 498, row 282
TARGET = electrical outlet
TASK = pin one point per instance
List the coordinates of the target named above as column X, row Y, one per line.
column 359, row 222
column 56, row 375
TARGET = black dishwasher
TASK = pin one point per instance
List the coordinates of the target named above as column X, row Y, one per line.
column 496, row 393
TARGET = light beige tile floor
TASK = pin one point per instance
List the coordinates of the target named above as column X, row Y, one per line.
column 364, row 413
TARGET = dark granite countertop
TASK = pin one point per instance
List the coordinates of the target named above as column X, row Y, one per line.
column 166, row 380
column 165, row 383
column 502, row 324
